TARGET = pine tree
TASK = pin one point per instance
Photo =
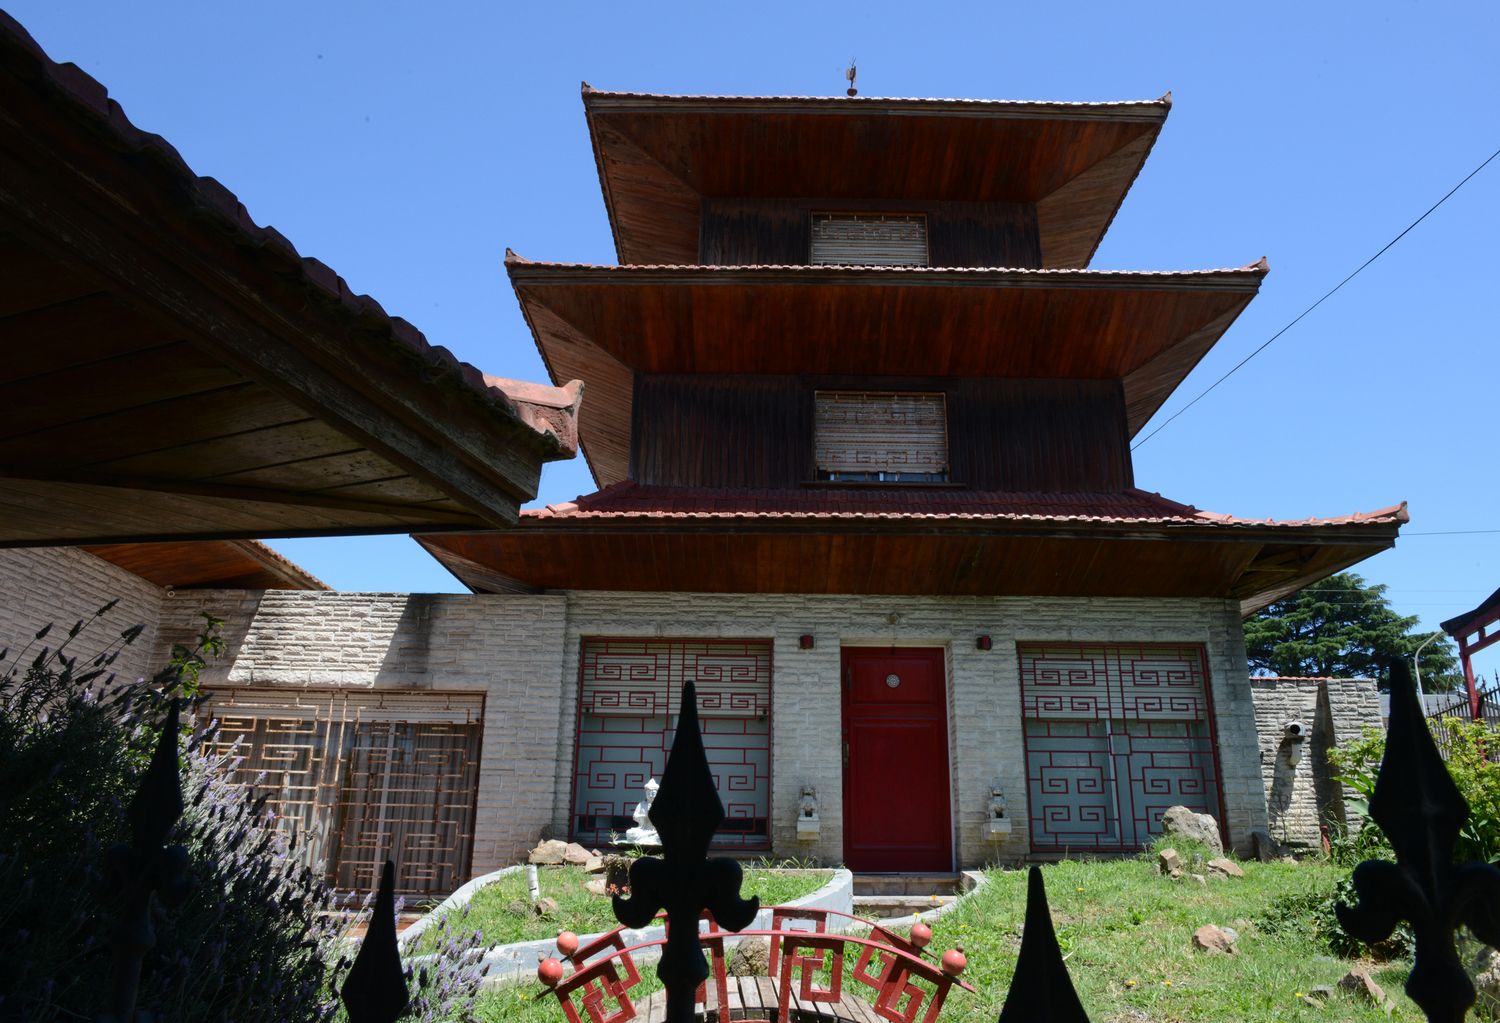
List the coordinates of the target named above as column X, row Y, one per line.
column 1343, row 627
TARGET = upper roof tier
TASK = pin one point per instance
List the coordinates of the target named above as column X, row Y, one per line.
column 659, row 157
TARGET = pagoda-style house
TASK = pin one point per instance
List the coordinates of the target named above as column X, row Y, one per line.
column 860, row 417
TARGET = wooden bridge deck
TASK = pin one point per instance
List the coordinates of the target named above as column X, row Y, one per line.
column 755, row 998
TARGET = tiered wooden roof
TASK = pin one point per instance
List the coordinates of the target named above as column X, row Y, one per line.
column 603, row 324
column 659, row 157
column 174, row 370
column 209, row 564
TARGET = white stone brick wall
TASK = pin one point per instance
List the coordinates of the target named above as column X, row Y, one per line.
column 1292, row 792
column 509, row 648
column 61, row 585
column 985, row 731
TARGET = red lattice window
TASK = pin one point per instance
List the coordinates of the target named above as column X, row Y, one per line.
column 628, row 694
column 1115, row 734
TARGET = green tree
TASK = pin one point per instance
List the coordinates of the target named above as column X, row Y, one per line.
column 1343, row 627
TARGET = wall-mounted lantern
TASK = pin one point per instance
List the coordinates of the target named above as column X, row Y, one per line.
column 998, row 825
column 805, row 641
column 983, row 643
column 807, row 814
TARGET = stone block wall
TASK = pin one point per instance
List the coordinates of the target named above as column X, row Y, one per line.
column 509, row 648
column 39, row 585
column 1302, row 795
column 985, row 729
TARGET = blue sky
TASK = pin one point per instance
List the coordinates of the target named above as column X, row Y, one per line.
column 406, row 145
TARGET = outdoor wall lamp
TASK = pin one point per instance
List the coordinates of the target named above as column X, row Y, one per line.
column 805, row 641
column 982, row 643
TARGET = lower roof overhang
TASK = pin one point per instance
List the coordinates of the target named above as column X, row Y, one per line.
column 172, row 370
column 1251, row 565
column 603, row 324
column 208, row 564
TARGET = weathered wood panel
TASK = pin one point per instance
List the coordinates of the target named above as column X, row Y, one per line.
column 741, row 232
column 757, row 431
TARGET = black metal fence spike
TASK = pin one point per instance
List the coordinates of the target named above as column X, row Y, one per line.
column 375, row 990
column 1041, row 990
column 1421, row 811
column 158, row 802
column 683, row 881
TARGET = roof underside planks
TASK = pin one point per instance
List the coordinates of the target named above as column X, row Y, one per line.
column 208, row 564
column 1137, row 545
column 603, row 324
column 660, row 156
column 174, row 370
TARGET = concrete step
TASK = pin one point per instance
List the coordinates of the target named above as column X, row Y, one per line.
column 907, row 884
column 884, row 907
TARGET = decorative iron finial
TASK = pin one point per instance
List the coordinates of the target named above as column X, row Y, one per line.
column 684, row 881
column 850, row 75
column 148, row 867
column 1041, row 988
column 375, row 990
column 1421, row 811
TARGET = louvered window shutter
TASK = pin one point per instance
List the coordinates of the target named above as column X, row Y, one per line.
column 881, row 436
column 869, row 240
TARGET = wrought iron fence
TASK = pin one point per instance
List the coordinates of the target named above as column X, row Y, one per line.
column 1456, row 707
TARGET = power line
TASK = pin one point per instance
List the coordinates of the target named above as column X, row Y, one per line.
column 1453, row 532
column 1266, row 344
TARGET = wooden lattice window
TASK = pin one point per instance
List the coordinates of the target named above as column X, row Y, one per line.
column 863, row 239
column 884, row 437
column 628, row 701
column 359, row 776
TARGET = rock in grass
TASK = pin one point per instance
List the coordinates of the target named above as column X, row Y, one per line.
column 596, row 886
column 544, row 906
column 595, row 865
column 1225, row 868
column 575, row 854
column 1362, row 986
column 1202, row 881
column 518, row 907
column 752, row 958
column 1213, row 940
column 1192, row 826
column 1168, row 863
column 549, row 853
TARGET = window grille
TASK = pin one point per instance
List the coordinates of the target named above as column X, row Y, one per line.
column 628, row 695
column 357, row 777
column 1115, row 734
column 881, row 437
column 855, row 239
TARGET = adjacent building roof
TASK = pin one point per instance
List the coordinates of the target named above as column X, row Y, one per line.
column 1487, row 612
column 901, row 541
column 604, row 323
column 209, row 564
column 660, row 156
column 175, row 370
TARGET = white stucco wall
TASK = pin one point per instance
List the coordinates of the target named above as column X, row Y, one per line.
column 39, row 585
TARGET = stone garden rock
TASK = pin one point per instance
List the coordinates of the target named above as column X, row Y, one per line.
column 575, row 854
column 545, row 906
column 518, row 907
column 597, row 886
column 595, row 865
column 1195, row 827
column 550, row 853
column 1213, row 940
column 1168, row 863
column 1322, row 993
column 752, row 958
column 1362, row 986
column 1202, row 881
column 1225, row 868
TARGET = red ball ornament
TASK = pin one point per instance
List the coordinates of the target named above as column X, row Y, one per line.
column 549, row 971
column 954, row 961
column 567, row 943
column 921, row 934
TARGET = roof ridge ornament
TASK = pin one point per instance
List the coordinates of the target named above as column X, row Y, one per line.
column 849, row 74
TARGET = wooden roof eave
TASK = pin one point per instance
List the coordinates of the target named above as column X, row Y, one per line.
column 119, row 206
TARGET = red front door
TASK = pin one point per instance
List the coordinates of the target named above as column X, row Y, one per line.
column 896, row 761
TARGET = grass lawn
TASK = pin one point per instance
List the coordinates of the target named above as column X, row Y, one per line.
column 584, row 913
column 1127, row 935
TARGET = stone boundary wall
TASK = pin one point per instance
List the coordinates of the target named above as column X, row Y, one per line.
column 1302, row 795
column 61, row 585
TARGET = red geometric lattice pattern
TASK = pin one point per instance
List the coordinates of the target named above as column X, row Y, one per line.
column 628, row 694
column 1115, row 734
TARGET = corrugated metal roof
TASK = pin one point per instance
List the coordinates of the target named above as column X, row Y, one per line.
column 1156, row 108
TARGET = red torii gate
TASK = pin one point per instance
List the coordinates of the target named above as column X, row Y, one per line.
column 1474, row 630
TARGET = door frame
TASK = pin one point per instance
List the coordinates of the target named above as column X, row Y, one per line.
column 942, row 654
